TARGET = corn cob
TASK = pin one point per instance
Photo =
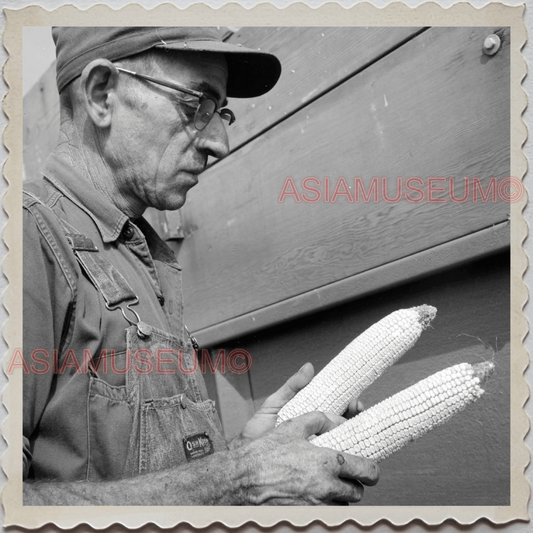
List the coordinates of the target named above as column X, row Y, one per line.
column 360, row 363
column 391, row 424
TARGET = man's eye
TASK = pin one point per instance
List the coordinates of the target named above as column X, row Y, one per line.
column 206, row 116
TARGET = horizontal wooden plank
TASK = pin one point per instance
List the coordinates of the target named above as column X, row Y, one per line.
column 428, row 262
column 313, row 60
column 434, row 107
column 454, row 464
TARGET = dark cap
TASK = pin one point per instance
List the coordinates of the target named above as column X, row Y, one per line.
column 250, row 72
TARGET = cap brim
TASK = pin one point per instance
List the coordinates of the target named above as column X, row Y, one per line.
column 250, row 72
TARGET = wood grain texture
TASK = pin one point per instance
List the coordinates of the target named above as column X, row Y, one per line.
column 466, row 461
column 313, row 60
column 473, row 246
column 435, row 107
column 40, row 123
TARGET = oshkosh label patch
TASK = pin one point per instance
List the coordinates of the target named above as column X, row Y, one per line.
column 198, row 445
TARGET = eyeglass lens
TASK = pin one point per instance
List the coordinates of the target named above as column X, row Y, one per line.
column 204, row 113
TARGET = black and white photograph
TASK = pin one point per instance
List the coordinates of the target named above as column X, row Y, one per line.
column 267, row 265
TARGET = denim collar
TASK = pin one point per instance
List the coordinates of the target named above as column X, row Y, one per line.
column 107, row 217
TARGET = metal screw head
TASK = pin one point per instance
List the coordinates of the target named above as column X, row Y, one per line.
column 491, row 44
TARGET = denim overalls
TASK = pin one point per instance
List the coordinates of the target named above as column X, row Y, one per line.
column 162, row 409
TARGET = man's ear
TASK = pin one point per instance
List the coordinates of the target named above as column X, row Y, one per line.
column 98, row 85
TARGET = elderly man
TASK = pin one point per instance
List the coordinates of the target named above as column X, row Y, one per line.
column 141, row 111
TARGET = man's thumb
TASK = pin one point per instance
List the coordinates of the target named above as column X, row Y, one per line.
column 299, row 380
column 294, row 384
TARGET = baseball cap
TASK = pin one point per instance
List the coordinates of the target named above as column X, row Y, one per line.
column 250, row 72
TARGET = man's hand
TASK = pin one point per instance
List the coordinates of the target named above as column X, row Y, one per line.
column 265, row 419
column 279, row 468
column 285, row 469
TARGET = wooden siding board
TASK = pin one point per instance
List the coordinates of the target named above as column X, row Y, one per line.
column 314, row 60
column 434, row 107
column 472, row 325
column 474, row 246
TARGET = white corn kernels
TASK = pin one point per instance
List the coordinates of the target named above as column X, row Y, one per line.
column 451, row 390
column 360, row 363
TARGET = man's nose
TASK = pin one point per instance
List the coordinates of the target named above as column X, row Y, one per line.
column 213, row 139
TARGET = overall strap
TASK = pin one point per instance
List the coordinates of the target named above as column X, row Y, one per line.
column 104, row 276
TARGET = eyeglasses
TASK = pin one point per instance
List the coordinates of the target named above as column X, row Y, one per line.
column 206, row 109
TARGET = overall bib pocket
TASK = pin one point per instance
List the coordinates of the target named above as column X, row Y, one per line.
column 169, row 404
column 171, row 429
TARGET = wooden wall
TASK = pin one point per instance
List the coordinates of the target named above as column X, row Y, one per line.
column 295, row 281
column 433, row 105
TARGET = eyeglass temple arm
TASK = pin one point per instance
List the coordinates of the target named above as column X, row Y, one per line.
column 168, row 84
column 227, row 115
column 230, row 119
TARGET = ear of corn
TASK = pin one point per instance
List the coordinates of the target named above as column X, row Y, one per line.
column 360, row 363
column 388, row 426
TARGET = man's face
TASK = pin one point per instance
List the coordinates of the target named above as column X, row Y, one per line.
column 157, row 153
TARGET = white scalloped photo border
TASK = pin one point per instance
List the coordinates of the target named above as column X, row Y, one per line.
column 234, row 15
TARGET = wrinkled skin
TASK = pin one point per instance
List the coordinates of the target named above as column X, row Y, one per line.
column 288, row 470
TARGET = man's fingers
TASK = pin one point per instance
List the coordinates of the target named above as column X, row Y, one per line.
column 337, row 420
column 348, row 492
column 304, row 426
column 358, row 468
column 354, row 408
column 289, row 389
